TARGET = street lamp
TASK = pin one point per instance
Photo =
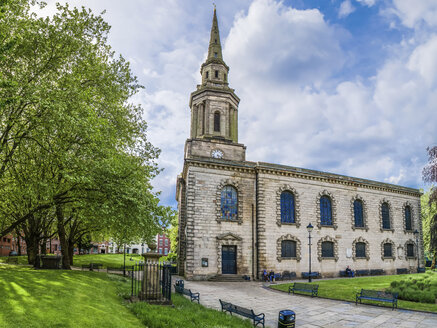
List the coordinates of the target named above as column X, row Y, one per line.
column 309, row 228
column 416, row 233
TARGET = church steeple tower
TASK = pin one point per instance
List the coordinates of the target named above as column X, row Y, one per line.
column 214, row 106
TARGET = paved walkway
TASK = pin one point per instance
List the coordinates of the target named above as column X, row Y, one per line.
column 310, row 312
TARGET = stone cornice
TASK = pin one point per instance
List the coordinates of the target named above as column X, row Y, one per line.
column 299, row 173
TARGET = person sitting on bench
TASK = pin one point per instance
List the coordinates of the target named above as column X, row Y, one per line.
column 349, row 272
column 272, row 276
column 265, row 276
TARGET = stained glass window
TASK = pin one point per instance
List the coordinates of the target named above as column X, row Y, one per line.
column 387, row 250
column 229, row 203
column 327, row 249
column 288, row 248
column 358, row 213
column 287, row 207
column 385, row 211
column 325, row 211
column 360, row 250
column 408, row 218
column 217, row 122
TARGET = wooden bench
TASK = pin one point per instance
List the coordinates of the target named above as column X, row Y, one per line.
column 183, row 291
column 306, row 275
column 258, row 319
column 11, row 260
column 302, row 287
column 376, row 272
column 377, row 295
column 362, row 272
column 402, row 271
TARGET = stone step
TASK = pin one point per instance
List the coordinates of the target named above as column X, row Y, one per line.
column 227, row 278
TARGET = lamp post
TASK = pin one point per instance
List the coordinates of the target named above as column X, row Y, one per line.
column 416, row 233
column 309, row 228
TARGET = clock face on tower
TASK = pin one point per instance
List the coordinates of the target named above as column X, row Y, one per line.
column 217, row 153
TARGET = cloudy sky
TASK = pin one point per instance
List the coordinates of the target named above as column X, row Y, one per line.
column 344, row 86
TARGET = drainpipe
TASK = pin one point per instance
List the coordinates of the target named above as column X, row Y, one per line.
column 256, row 224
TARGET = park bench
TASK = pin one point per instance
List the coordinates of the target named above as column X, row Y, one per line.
column 13, row 260
column 287, row 275
column 306, row 275
column 92, row 266
column 183, row 291
column 258, row 319
column 120, row 268
column 421, row 270
column 303, row 287
column 376, row 272
column 402, row 271
column 362, row 272
column 377, row 295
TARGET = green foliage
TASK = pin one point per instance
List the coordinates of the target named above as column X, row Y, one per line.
column 346, row 289
column 73, row 149
column 422, row 290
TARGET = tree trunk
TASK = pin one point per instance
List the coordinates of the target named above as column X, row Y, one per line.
column 32, row 249
column 62, row 237
column 71, row 251
column 433, row 260
column 18, row 244
column 43, row 247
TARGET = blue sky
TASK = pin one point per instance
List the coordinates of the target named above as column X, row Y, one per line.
column 344, row 86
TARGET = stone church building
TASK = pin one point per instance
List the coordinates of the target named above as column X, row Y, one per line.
column 238, row 217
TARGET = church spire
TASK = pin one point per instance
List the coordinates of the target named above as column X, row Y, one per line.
column 215, row 47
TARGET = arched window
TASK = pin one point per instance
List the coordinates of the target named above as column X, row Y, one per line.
column 327, row 249
column 325, row 211
column 388, row 250
column 408, row 225
column 229, row 203
column 288, row 248
column 358, row 213
column 217, row 122
column 360, row 250
column 410, row 250
column 287, row 207
column 385, row 212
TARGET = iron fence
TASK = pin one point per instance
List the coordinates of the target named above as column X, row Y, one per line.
column 151, row 282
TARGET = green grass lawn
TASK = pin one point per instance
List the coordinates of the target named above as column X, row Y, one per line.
column 59, row 298
column 347, row 288
column 21, row 259
column 111, row 260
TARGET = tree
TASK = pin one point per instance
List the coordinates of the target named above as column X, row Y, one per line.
column 429, row 175
column 72, row 148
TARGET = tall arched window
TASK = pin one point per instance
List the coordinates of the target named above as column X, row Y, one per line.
column 408, row 225
column 360, row 250
column 385, row 212
column 229, row 203
column 287, row 207
column 327, row 249
column 288, row 248
column 358, row 213
column 388, row 251
column 217, row 122
column 325, row 211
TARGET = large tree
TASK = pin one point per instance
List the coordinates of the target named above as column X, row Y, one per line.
column 72, row 148
column 430, row 176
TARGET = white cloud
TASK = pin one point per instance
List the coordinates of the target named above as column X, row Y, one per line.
column 368, row 3
column 413, row 13
column 346, row 9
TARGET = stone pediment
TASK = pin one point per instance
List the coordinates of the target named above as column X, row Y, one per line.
column 229, row 236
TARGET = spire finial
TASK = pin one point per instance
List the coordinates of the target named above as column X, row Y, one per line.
column 215, row 48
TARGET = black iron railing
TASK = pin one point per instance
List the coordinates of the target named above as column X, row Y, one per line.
column 151, row 282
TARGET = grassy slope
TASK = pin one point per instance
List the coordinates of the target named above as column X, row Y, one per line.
column 111, row 260
column 59, row 298
column 44, row 298
column 347, row 288
column 185, row 314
